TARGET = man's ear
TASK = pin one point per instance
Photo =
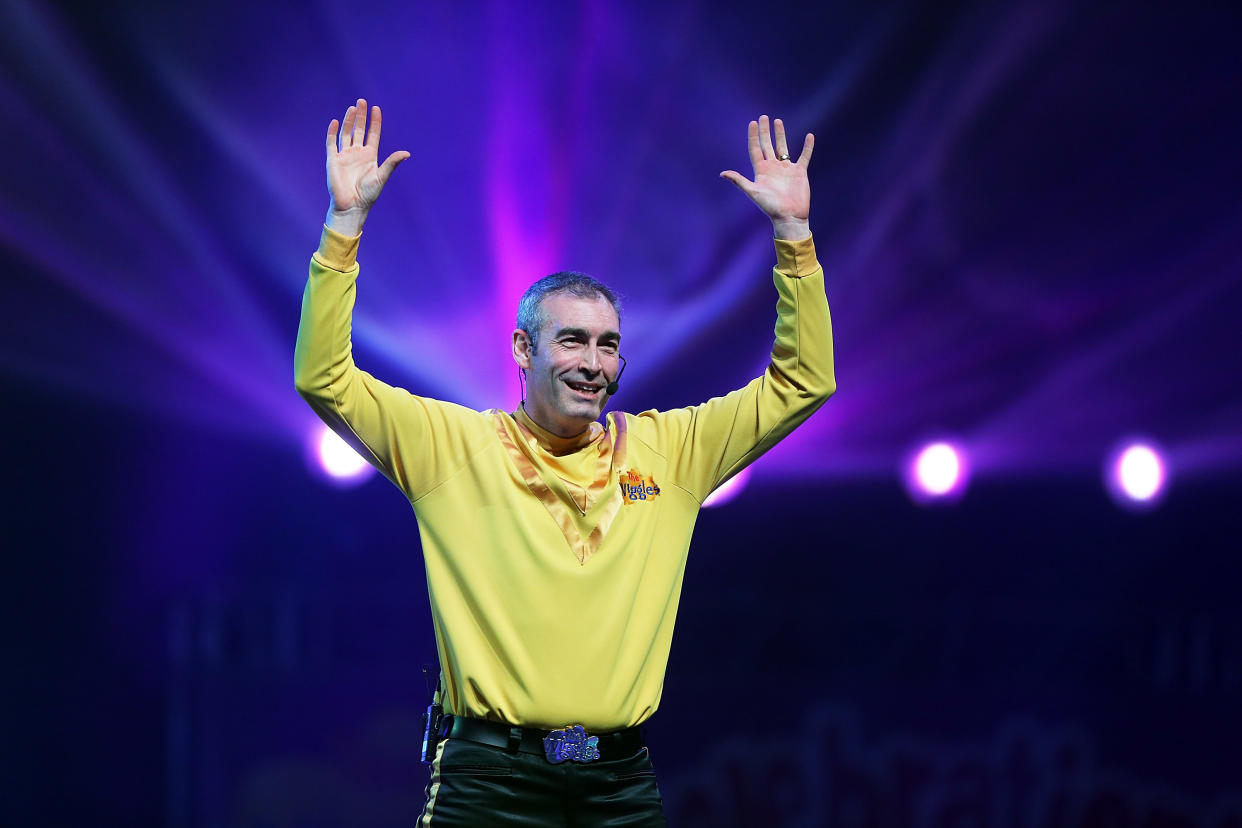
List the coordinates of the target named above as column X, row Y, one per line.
column 521, row 348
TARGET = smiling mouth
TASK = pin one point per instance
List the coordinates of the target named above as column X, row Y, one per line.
column 585, row 387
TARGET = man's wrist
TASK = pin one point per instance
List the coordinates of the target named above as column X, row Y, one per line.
column 337, row 251
column 346, row 222
column 793, row 229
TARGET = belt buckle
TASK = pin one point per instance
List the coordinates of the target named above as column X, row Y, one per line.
column 571, row 742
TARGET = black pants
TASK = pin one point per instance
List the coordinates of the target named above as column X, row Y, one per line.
column 480, row 786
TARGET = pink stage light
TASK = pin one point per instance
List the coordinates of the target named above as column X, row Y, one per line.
column 937, row 472
column 731, row 489
column 1136, row 475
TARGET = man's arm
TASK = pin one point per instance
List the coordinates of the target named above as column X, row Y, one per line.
column 708, row 443
column 388, row 426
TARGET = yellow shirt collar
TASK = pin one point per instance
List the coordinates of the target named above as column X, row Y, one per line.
column 553, row 444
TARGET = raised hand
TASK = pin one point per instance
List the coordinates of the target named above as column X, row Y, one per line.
column 780, row 189
column 355, row 180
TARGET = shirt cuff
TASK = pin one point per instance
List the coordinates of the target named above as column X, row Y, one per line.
column 336, row 251
column 796, row 258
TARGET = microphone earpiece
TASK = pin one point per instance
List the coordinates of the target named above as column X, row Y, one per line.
column 612, row 387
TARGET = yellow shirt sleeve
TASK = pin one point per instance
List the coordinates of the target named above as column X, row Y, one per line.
column 709, row 443
column 389, row 426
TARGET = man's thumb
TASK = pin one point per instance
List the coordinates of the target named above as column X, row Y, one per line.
column 391, row 162
column 739, row 180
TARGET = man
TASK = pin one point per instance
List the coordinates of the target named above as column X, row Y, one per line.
column 554, row 544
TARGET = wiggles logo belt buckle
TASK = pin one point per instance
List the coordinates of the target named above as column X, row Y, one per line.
column 571, row 743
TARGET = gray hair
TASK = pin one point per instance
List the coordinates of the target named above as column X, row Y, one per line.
column 530, row 315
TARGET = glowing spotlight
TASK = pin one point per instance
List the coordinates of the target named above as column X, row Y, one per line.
column 937, row 472
column 1136, row 475
column 337, row 459
column 937, row 468
column 731, row 489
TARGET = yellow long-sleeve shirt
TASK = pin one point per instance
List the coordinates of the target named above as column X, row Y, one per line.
column 554, row 566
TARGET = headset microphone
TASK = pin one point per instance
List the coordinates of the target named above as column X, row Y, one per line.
column 612, row 386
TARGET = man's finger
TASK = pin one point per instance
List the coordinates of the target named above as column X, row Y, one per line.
column 807, row 146
column 765, row 137
column 332, row 137
column 347, row 128
column 752, row 143
column 360, row 122
column 782, row 148
column 373, row 133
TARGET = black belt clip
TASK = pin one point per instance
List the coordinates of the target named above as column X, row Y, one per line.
column 571, row 743
column 432, row 717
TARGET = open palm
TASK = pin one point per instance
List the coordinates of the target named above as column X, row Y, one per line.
column 355, row 180
column 780, row 187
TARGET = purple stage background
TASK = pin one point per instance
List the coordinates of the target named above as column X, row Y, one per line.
column 1030, row 215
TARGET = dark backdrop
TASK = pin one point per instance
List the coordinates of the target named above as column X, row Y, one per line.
column 1030, row 219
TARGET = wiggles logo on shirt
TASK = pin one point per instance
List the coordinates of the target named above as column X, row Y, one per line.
column 635, row 487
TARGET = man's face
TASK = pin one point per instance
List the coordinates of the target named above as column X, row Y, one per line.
column 574, row 360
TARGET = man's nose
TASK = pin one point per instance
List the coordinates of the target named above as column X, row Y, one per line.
column 591, row 362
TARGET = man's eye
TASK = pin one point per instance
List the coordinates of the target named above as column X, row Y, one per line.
column 608, row 348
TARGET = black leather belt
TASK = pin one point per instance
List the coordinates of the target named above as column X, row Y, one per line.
column 571, row 742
